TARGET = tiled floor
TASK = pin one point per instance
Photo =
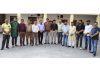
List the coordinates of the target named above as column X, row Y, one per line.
column 45, row 51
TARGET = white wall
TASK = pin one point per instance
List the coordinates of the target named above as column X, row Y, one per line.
column 8, row 16
column 92, row 18
column 54, row 16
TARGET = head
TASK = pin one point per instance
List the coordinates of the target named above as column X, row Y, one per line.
column 15, row 19
column 22, row 20
column 29, row 21
column 95, row 24
column 35, row 22
column 88, row 22
column 47, row 19
column 80, row 21
column 72, row 24
column 6, row 21
column 59, row 21
column 41, row 21
column 65, row 23
column 54, row 21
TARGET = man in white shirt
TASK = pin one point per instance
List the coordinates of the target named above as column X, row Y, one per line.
column 35, row 30
column 60, row 25
column 87, row 33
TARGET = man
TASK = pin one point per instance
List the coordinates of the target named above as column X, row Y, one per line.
column 65, row 30
column 14, row 31
column 47, row 30
column 95, row 38
column 35, row 30
column 29, row 33
column 41, row 31
column 79, row 33
column 54, row 28
column 87, row 32
column 22, row 31
column 60, row 24
column 72, row 35
column 6, row 29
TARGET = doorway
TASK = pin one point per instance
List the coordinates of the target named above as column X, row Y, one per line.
column 32, row 19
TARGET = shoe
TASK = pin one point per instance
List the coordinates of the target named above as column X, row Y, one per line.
column 72, row 46
column 1, row 49
column 62, row 45
column 94, row 55
column 54, row 43
column 69, row 46
column 80, row 48
column 45, row 43
column 16, row 45
column 23, row 44
column 7, row 47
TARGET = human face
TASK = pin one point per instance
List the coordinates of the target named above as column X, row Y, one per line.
column 15, row 19
column 22, row 20
column 6, row 21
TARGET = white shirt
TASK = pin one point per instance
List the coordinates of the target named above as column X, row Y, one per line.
column 35, row 28
column 88, row 29
column 60, row 27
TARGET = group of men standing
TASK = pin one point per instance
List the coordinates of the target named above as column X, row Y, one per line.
column 55, row 33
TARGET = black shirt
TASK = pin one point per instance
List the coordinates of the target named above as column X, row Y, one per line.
column 79, row 27
column 54, row 27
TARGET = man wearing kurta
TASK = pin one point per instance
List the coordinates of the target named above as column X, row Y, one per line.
column 72, row 37
column 14, row 31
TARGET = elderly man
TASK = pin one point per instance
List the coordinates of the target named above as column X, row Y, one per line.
column 6, row 29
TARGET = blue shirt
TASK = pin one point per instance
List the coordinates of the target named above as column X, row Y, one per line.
column 41, row 27
column 65, row 28
column 93, row 31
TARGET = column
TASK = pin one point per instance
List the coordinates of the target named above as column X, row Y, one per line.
column 19, row 17
column 44, row 17
column 98, row 19
column 71, row 18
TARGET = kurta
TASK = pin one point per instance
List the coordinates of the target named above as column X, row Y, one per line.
column 14, row 28
column 72, row 31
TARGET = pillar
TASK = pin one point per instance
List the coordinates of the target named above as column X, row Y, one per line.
column 19, row 17
column 71, row 18
column 44, row 17
column 98, row 19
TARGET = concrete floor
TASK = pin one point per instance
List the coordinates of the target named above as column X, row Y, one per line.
column 45, row 51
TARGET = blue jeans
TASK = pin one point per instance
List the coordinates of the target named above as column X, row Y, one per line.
column 65, row 39
column 94, row 46
column 88, row 42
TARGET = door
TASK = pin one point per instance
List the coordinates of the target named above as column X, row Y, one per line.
column 12, row 17
column 32, row 19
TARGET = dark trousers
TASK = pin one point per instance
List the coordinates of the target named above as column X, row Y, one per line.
column 14, row 41
column 40, row 37
column 5, row 40
column 59, row 37
column 79, row 38
column 88, row 42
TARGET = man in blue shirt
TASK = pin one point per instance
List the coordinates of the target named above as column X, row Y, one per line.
column 41, row 31
column 95, row 38
column 65, row 30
